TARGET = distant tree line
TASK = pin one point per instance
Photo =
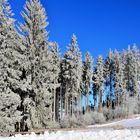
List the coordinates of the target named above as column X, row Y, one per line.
column 41, row 89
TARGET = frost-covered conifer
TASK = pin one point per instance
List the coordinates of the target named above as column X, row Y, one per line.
column 87, row 75
column 55, row 62
column 72, row 74
column 109, row 74
column 128, row 70
column 10, row 60
column 135, row 72
column 99, row 79
column 119, row 85
column 54, row 77
column 35, row 38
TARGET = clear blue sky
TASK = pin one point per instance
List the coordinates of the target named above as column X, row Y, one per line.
column 98, row 24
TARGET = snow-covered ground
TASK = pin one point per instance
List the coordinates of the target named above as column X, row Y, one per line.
column 90, row 135
column 126, row 123
column 96, row 132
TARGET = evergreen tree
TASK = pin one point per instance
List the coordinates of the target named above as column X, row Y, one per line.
column 99, row 79
column 94, row 89
column 55, row 72
column 87, row 75
column 10, row 60
column 109, row 74
column 128, row 70
column 72, row 74
column 135, row 72
column 35, row 38
column 119, row 84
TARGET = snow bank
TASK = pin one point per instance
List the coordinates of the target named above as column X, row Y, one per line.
column 79, row 135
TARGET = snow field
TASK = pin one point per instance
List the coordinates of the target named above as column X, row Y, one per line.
column 125, row 134
column 126, row 123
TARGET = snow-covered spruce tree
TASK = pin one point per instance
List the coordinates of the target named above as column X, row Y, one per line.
column 135, row 72
column 119, row 85
column 109, row 74
column 71, row 69
column 138, row 62
column 87, row 76
column 54, row 77
column 99, row 79
column 35, row 38
column 44, row 93
column 10, row 60
column 128, row 70
column 95, row 90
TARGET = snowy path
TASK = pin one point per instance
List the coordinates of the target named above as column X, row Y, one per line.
column 126, row 123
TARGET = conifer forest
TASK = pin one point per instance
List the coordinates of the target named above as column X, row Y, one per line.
column 40, row 89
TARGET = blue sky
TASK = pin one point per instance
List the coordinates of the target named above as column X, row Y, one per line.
column 98, row 24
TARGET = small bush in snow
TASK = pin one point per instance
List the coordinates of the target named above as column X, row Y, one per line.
column 93, row 118
column 53, row 124
column 74, row 122
column 98, row 117
column 65, row 122
column 106, row 113
column 69, row 122
column 138, row 105
column 111, row 114
column 131, row 105
column 88, row 119
column 120, row 112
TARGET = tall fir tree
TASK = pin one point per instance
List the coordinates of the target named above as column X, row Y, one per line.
column 87, row 76
column 35, row 38
column 109, row 77
column 135, row 72
column 55, row 73
column 94, row 89
column 128, row 70
column 10, row 60
column 72, row 75
column 119, row 85
column 99, row 80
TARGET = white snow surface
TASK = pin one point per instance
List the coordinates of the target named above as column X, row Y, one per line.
column 96, row 132
column 90, row 135
column 126, row 123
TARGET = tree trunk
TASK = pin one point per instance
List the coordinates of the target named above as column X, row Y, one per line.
column 118, row 101
column 61, row 103
column 110, row 104
column 87, row 103
column 80, row 102
column 100, row 104
column 58, row 104
column 68, row 105
column 94, row 102
column 54, row 105
column 71, row 105
column 65, row 105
